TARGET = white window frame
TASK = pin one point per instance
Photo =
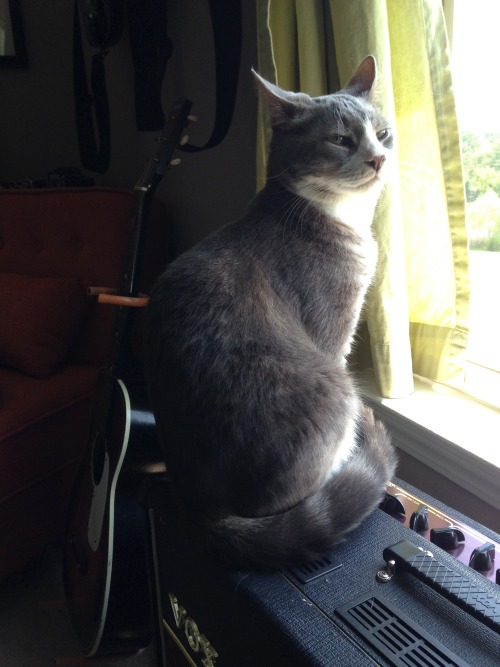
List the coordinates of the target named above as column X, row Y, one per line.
column 452, row 434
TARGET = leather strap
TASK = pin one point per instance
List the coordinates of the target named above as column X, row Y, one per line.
column 95, row 146
column 95, row 150
column 227, row 29
column 151, row 49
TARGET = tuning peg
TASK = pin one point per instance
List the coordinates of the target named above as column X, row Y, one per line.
column 175, row 162
column 184, row 140
column 192, row 119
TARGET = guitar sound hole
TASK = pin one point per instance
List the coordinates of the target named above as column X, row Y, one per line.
column 98, row 459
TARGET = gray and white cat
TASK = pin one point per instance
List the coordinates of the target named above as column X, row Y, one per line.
column 272, row 455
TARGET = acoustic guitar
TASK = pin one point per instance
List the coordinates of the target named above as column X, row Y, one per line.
column 105, row 557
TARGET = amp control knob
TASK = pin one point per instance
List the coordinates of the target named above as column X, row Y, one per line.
column 482, row 557
column 447, row 538
column 419, row 520
column 392, row 504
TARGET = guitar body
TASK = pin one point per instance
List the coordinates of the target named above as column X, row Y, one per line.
column 108, row 596
column 105, row 556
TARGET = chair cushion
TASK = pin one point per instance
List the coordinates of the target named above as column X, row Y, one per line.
column 40, row 318
column 43, row 423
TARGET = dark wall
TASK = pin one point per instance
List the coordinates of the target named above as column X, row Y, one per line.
column 37, row 128
column 36, row 107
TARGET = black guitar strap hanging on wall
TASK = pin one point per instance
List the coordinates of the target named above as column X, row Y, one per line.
column 151, row 49
column 103, row 24
column 227, row 28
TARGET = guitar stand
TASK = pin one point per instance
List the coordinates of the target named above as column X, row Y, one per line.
column 111, row 296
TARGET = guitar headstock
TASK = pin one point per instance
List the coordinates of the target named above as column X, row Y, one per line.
column 171, row 139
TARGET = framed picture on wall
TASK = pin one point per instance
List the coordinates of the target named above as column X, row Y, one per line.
column 12, row 44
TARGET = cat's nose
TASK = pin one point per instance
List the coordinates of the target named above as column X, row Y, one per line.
column 376, row 162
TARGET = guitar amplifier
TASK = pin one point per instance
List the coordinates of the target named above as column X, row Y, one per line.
column 386, row 596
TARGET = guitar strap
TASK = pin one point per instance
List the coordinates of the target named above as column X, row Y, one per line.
column 227, row 29
column 150, row 51
column 94, row 153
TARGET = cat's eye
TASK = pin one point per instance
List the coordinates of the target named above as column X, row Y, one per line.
column 383, row 134
column 341, row 140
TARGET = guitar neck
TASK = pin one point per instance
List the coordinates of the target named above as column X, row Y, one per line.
column 133, row 263
column 122, row 362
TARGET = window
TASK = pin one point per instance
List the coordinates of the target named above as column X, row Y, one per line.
column 473, row 31
column 438, row 426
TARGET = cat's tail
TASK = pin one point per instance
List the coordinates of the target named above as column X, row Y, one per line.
column 318, row 522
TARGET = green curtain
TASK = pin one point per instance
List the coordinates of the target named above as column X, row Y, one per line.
column 417, row 309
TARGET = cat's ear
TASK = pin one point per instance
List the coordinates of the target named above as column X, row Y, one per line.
column 282, row 105
column 364, row 78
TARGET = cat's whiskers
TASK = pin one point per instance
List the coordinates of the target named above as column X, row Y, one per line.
column 287, row 210
column 295, row 213
column 275, row 176
column 305, row 211
column 303, row 206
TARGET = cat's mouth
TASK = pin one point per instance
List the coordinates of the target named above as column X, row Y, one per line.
column 371, row 178
column 315, row 186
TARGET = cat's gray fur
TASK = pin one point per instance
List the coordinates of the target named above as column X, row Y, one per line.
column 272, row 455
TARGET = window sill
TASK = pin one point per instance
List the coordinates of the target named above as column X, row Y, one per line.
column 450, row 433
